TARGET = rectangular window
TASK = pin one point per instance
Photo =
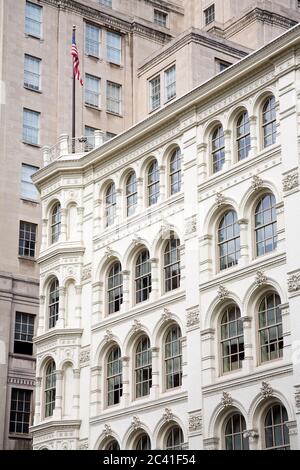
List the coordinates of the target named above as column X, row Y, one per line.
column 31, row 126
column 170, row 83
column 114, row 43
column 209, row 14
column 113, row 97
column 222, row 65
column 28, row 189
column 89, row 133
column 92, row 40
column 160, row 18
column 32, row 73
column 92, row 90
column 107, row 3
column 33, row 19
column 24, row 328
column 20, row 407
column 27, row 239
column 154, row 93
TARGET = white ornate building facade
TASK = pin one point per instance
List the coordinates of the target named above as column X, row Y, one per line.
column 170, row 273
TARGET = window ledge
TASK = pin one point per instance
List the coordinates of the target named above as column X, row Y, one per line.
column 95, row 108
column 26, row 357
column 33, row 201
column 115, row 64
column 27, row 437
column 28, row 35
column 96, row 58
column 38, row 146
column 27, row 258
column 115, row 114
column 32, row 89
column 169, row 100
column 154, row 109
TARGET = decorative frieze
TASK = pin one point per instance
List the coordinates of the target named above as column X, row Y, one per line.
column 250, row 434
column 193, row 318
column 84, row 357
column 86, row 273
column 294, row 282
column 290, row 181
column 195, row 423
column 266, row 390
column 212, row 443
column 21, row 381
column 191, row 225
column 226, row 400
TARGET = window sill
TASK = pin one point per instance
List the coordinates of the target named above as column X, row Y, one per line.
column 154, row 109
column 169, row 100
column 32, row 89
column 27, row 437
column 32, row 201
column 114, row 64
column 38, row 146
column 27, row 258
column 91, row 106
column 26, row 357
column 28, row 35
column 114, row 114
column 93, row 57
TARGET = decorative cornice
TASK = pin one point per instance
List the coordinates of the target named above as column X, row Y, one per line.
column 21, row 381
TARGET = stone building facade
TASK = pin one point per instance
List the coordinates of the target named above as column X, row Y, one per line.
column 169, row 272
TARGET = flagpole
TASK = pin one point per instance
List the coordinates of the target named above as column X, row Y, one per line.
column 73, row 104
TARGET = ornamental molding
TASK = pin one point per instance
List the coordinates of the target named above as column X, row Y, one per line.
column 83, row 444
column 108, row 253
column 107, row 431
column 250, row 434
column 108, row 336
column 136, row 423
column 256, row 183
column 294, row 282
column 86, row 273
column 297, row 400
column 166, row 316
column 290, row 181
column 260, row 278
column 193, row 318
column 195, row 423
column 21, row 381
column 211, row 443
column 136, row 240
column 223, row 293
column 220, row 199
column 191, row 225
column 266, row 390
column 168, row 415
column 136, row 327
column 84, row 357
column 226, row 400
column 292, row 427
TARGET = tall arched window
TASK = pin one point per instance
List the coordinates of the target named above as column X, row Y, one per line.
column 143, row 367
column 175, row 439
column 53, row 304
column 143, row 442
column 269, row 121
column 173, row 357
column 142, row 277
column 270, row 328
column 112, row 445
column 232, row 339
column 172, row 264
column 243, row 136
column 276, row 431
column 175, row 171
column 234, row 433
column 115, row 288
column 110, row 204
column 229, row 240
column 50, row 389
column 55, row 223
column 131, row 194
column 218, row 149
column 153, row 183
column 114, row 377
column 266, row 225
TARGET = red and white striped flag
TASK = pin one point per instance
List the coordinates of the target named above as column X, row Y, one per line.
column 75, row 56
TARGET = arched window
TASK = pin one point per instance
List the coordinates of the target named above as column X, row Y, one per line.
column 243, row 136
column 218, row 149
column 173, row 357
column 172, row 264
column 112, row 445
column 55, row 223
column 110, row 204
column 142, row 277
column 131, row 194
column 143, row 442
column 153, row 183
column 175, row 171
column 143, row 367
column 232, row 339
column 266, row 225
column 270, row 328
column 50, row 389
column 229, row 240
column 269, row 121
column 276, row 431
column 175, row 439
column 115, row 288
column 114, row 377
column 234, row 430
column 53, row 302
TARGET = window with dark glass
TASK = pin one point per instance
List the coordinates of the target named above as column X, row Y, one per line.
column 55, row 223
column 115, row 288
column 50, row 389
column 24, row 329
column 110, row 204
column 53, row 303
column 269, row 121
column 270, row 328
column 172, row 264
column 209, row 14
column 114, row 377
column 243, row 136
column 232, row 339
column 142, row 277
column 143, row 442
column 131, row 194
column 229, row 240
column 218, row 149
column 276, row 431
column 143, row 368
column 153, row 183
column 20, row 409
column 234, row 433
column 175, row 171
column 27, row 239
column 173, row 357
column 266, row 225
column 175, row 439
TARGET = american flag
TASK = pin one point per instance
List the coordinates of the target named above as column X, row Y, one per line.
column 75, row 56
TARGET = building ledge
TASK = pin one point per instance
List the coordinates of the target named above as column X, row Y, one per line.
column 55, row 425
column 57, row 333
